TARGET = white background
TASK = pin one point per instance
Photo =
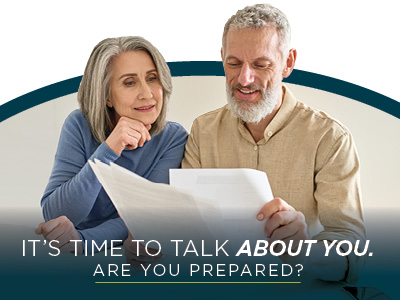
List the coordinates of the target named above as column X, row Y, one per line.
column 44, row 42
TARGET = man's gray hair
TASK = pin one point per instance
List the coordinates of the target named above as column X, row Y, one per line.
column 259, row 16
column 94, row 90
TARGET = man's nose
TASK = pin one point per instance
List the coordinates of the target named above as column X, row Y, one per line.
column 246, row 75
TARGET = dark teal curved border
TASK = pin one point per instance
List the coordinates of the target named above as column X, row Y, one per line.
column 211, row 68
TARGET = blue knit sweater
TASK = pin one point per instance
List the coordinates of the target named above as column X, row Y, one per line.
column 74, row 191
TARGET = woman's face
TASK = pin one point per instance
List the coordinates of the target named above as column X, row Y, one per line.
column 136, row 91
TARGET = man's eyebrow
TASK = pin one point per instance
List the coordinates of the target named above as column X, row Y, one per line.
column 134, row 74
column 258, row 58
column 231, row 57
column 263, row 58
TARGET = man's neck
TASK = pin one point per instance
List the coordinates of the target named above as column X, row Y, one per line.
column 257, row 129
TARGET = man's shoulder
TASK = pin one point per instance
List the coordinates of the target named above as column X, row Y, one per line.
column 215, row 116
column 318, row 119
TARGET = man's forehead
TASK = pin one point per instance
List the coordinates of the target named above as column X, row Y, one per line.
column 269, row 33
column 260, row 42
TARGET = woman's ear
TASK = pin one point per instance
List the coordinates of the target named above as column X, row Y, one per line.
column 290, row 62
column 109, row 104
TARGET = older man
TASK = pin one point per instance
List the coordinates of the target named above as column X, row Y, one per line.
column 310, row 159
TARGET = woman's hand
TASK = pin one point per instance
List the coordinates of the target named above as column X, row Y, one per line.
column 136, row 254
column 128, row 133
column 62, row 230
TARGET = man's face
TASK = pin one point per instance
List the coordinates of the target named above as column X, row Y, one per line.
column 253, row 64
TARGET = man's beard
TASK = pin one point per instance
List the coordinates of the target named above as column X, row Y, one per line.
column 253, row 112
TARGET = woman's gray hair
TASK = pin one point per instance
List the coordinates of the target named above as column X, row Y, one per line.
column 258, row 16
column 94, row 90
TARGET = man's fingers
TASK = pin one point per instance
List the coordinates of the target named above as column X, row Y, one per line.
column 284, row 232
column 286, row 225
column 277, row 220
column 273, row 206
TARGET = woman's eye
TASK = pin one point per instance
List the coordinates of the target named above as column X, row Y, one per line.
column 129, row 83
column 152, row 78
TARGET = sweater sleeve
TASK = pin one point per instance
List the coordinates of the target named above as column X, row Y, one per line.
column 172, row 154
column 73, row 187
column 115, row 229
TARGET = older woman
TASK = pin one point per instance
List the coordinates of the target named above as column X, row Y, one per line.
column 123, row 101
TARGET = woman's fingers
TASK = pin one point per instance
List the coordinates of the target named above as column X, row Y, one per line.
column 128, row 133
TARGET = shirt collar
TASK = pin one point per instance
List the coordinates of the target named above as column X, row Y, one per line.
column 288, row 104
column 285, row 111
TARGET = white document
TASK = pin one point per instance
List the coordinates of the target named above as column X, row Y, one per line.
column 200, row 204
column 238, row 194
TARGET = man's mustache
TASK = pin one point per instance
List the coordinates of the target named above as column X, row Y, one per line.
column 249, row 87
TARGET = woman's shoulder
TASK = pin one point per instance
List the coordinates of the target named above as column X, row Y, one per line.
column 77, row 120
column 77, row 125
column 76, row 116
column 175, row 129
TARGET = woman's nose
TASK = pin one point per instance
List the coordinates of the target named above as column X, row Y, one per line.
column 145, row 91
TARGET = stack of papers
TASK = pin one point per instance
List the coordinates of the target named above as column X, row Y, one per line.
column 198, row 205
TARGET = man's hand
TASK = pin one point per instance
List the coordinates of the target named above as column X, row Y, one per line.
column 62, row 230
column 136, row 254
column 283, row 222
column 128, row 133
